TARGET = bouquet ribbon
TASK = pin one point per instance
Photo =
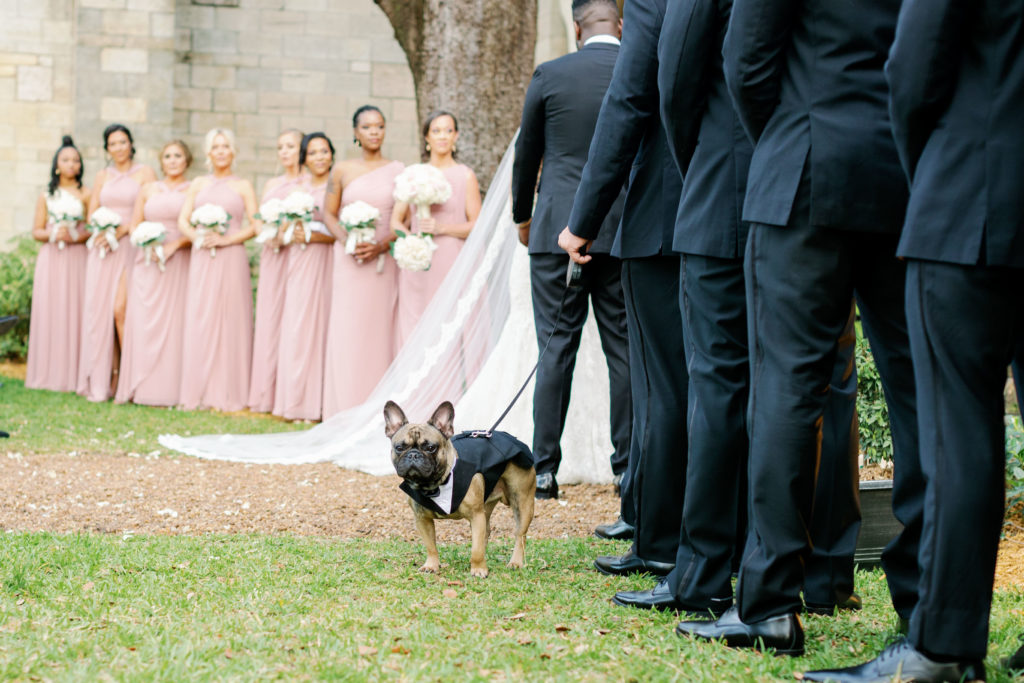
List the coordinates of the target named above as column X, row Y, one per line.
column 55, row 228
column 359, row 236
column 157, row 249
column 201, row 232
column 110, row 234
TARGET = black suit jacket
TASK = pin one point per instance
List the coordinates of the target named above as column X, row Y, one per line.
column 957, row 78
column 705, row 136
column 806, row 77
column 559, row 116
column 629, row 140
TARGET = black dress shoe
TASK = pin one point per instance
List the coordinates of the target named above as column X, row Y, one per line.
column 660, row 597
column 623, row 565
column 547, row 487
column 851, row 603
column 1016, row 660
column 901, row 662
column 784, row 634
column 616, row 531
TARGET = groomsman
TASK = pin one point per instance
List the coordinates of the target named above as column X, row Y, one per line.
column 558, row 120
column 825, row 199
column 630, row 141
column 956, row 75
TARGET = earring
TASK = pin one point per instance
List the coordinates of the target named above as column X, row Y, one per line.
column 355, row 141
column 428, row 146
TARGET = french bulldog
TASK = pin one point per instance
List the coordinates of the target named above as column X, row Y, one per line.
column 461, row 477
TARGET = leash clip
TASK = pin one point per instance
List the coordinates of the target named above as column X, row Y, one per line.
column 480, row 433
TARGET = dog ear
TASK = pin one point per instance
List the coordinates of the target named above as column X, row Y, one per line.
column 443, row 418
column 394, row 419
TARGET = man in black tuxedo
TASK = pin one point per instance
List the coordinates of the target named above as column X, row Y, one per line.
column 630, row 141
column 825, row 200
column 956, row 74
column 559, row 116
column 711, row 236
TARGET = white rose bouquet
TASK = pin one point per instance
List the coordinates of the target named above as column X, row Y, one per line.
column 413, row 252
column 63, row 210
column 422, row 185
column 150, row 236
column 271, row 213
column 206, row 218
column 103, row 225
column 298, row 206
column 360, row 219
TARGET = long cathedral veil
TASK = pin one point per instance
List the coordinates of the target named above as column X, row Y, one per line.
column 465, row 349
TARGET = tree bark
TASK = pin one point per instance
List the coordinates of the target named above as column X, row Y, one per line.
column 473, row 58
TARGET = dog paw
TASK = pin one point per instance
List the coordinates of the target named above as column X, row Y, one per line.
column 515, row 564
column 479, row 572
column 430, row 568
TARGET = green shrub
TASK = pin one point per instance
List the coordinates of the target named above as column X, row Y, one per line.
column 1014, row 461
column 872, row 412
column 17, row 268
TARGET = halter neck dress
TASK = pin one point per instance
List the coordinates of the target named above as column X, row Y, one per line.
column 270, row 292
column 298, row 393
column 55, row 328
column 154, row 323
column 217, row 348
column 102, row 276
column 361, row 340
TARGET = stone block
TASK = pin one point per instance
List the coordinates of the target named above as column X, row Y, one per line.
column 259, row 126
column 194, row 16
column 236, row 19
column 303, row 81
column 388, row 51
column 103, row 4
column 213, row 76
column 392, row 80
column 200, row 122
column 280, row 103
column 236, row 101
column 123, row 109
column 193, row 99
column 8, row 71
column 126, row 22
column 326, row 105
column 236, row 59
column 314, row 50
column 124, row 60
column 404, row 110
column 18, row 59
column 182, row 39
column 265, row 79
column 306, row 5
column 161, row 25
column 35, row 83
column 263, row 45
column 293, row 23
column 214, row 40
column 151, row 5
column 359, row 67
column 55, row 32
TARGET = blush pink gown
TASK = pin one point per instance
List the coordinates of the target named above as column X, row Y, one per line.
column 155, row 319
column 217, row 349
column 417, row 288
column 102, row 275
column 307, row 305
column 56, row 326
column 361, row 339
column 270, row 291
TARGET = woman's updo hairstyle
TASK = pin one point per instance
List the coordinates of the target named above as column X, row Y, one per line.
column 184, row 148
column 113, row 128
column 431, row 117
column 65, row 142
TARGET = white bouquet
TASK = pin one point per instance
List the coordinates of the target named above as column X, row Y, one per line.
column 206, row 218
column 103, row 225
column 298, row 206
column 271, row 213
column 64, row 209
column 413, row 252
column 422, row 185
column 150, row 236
column 359, row 219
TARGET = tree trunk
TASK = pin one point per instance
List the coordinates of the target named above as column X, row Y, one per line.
column 473, row 58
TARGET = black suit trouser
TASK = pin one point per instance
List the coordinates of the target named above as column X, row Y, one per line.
column 602, row 288
column 800, row 281
column 713, row 302
column 964, row 324
column 657, row 456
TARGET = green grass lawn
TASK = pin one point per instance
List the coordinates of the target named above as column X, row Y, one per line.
column 58, row 422
column 245, row 607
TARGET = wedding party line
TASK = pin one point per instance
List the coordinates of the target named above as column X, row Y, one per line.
column 142, row 287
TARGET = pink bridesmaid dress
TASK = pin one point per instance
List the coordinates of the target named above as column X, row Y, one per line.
column 56, row 326
column 217, row 345
column 270, row 291
column 154, row 323
column 307, row 304
column 417, row 288
column 361, row 339
column 102, row 275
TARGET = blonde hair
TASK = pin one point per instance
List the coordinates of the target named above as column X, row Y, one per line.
column 211, row 136
column 184, row 148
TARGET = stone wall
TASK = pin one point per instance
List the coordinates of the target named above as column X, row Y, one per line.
column 176, row 68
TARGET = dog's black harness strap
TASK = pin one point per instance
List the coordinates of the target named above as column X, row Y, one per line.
column 554, row 326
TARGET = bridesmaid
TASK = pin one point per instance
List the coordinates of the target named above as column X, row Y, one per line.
column 307, row 303
column 151, row 360
column 59, row 284
column 217, row 347
column 364, row 298
column 450, row 223
column 107, row 275
column 273, row 272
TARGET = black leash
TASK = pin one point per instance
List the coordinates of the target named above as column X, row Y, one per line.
column 573, row 277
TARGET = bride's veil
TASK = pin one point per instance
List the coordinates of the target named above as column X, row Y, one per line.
column 451, row 355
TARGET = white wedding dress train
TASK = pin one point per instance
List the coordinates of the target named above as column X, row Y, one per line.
column 475, row 345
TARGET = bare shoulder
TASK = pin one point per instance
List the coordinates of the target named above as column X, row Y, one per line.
column 144, row 175
column 243, row 187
